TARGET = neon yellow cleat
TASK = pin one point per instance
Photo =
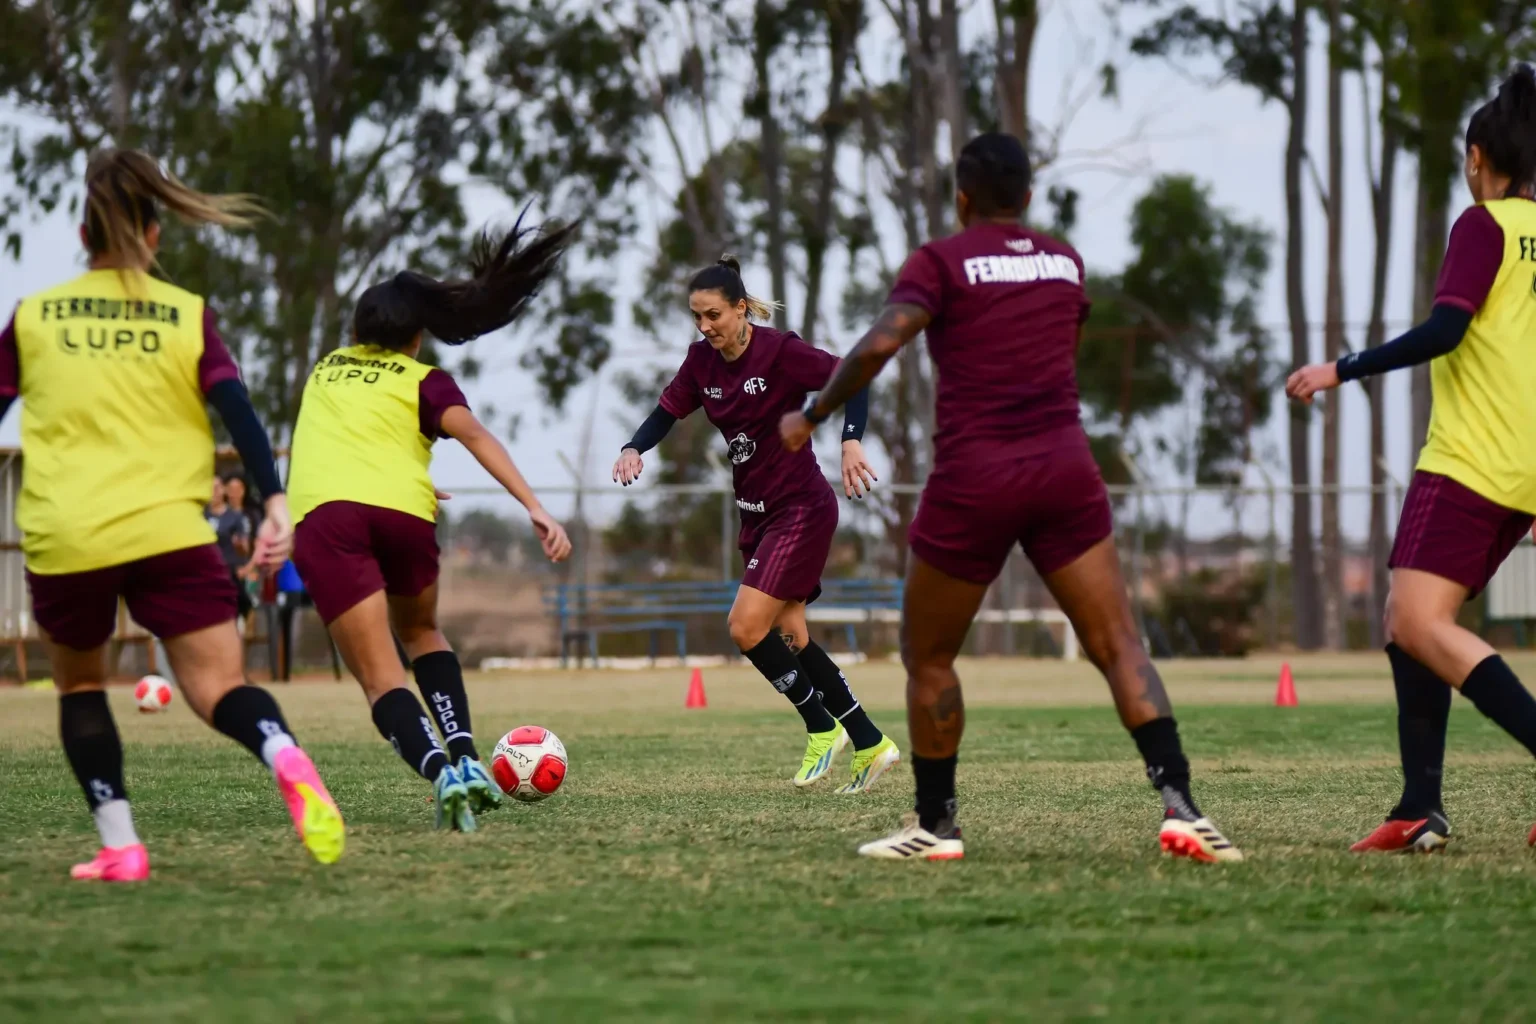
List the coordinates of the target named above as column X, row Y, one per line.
column 821, row 748
column 870, row 764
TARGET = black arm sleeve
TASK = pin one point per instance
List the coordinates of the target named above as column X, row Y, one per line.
column 856, row 416
column 652, row 430
column 5, row 404
column 1438, row 335
column 250, row 437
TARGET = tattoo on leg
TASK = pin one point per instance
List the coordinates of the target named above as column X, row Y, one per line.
column 948, row 712
column 795, row 647
column 1152, row 692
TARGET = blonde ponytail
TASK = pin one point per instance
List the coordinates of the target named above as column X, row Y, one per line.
column 124, row 190
column 725, row 277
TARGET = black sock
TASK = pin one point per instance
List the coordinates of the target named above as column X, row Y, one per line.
column 935, row 793
column 837, row 697
column 441, row 682
column 1497, row 693
column 249, row 716
column 1168, row 770
column 91, row 743
column 1423, row 707
column 401, row 719
column 778, row 665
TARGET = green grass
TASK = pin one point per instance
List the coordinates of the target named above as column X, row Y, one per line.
column 678, row 876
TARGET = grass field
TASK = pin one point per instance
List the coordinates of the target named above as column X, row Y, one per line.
column 679, row 877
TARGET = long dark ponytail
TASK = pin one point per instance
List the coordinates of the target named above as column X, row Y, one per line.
column 504, row 274
column 1505, row 129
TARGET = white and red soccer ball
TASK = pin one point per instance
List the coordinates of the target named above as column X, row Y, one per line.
column 153, row 693
column 529, row 763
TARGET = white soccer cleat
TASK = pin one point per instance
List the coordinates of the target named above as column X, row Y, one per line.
column 1197, row 840
column 913, row 842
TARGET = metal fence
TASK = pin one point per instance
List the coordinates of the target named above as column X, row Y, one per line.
column 1208, row 569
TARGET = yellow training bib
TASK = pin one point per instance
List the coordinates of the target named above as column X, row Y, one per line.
column 359, row 435
column 118, row 454
column 1482, row 428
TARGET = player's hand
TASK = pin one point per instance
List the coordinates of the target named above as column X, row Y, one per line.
column 796, row 430
column 551, row 534
column 441, row 495
column 1309, row 380
column 857, row 471
column 274, row 541
column 627, row 470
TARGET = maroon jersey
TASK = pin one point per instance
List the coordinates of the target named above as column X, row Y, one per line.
column 744, row 400
column 1006, row 306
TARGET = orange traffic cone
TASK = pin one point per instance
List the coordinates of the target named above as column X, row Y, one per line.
column 1285, row 693
column 696, row 691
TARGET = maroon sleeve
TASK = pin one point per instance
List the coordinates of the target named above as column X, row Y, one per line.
column 920, row 283
column 10, row 361
column 438, row 393
column 216, row 363
column 1472, row 261
column 681, row 396
column 808, row 367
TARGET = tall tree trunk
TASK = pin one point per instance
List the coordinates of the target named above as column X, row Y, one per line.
column 843, row 18
column 1304, row 588
column 1333, row 339
column 1433, row 224
column 952, row 76
column 1376, row 334
column 1017, row 21
column 766, row 37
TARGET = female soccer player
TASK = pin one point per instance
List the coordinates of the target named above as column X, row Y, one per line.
column 114, row 368
column 745, row 375
column 1003, row 305
column 1474, row 490
column 366, row 543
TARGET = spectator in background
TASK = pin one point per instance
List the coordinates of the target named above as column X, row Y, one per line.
column 247, row 573
column 233, row 531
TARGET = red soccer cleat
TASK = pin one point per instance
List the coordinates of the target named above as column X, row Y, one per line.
column 1424, row 835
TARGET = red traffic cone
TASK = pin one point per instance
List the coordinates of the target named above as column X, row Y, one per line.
column 696, row 691
column 1285, row 693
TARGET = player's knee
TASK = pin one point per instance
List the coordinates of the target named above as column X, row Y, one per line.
column 747, row 631
column 795, row 635
column 1107, row 645
column 1405, row 625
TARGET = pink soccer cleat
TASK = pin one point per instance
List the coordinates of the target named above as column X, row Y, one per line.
column 120, row 864
column 314, row 813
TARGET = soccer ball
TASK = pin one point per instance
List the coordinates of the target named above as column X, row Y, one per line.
column 152, row 694
column 529, row 763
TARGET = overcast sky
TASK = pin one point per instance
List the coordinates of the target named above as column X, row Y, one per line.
column 1222, row 135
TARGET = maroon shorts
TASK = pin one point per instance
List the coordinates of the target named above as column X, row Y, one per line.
column 346, row 551
column 170, row 594
column 1051, row 502
column 786, row 551
column 1454, row 532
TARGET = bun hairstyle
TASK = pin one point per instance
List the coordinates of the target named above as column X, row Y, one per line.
column 506, row 271
column 725, row 277
column 1504, row 128
column 124, row 191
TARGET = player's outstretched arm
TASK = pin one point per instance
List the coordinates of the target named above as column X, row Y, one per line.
column 898, row 324
column 461, row 425
column 630, row 465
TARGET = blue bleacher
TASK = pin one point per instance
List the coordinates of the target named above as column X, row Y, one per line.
column 588, row 611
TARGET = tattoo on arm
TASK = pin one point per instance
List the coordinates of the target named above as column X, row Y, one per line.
column 897, row 325
column 1152, row 692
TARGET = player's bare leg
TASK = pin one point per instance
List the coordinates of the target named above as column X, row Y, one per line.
column 937, row 611
column 440, row 678
column 1421, row 622
column 362, row 635
column 1091, row 591
column 755, row 624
